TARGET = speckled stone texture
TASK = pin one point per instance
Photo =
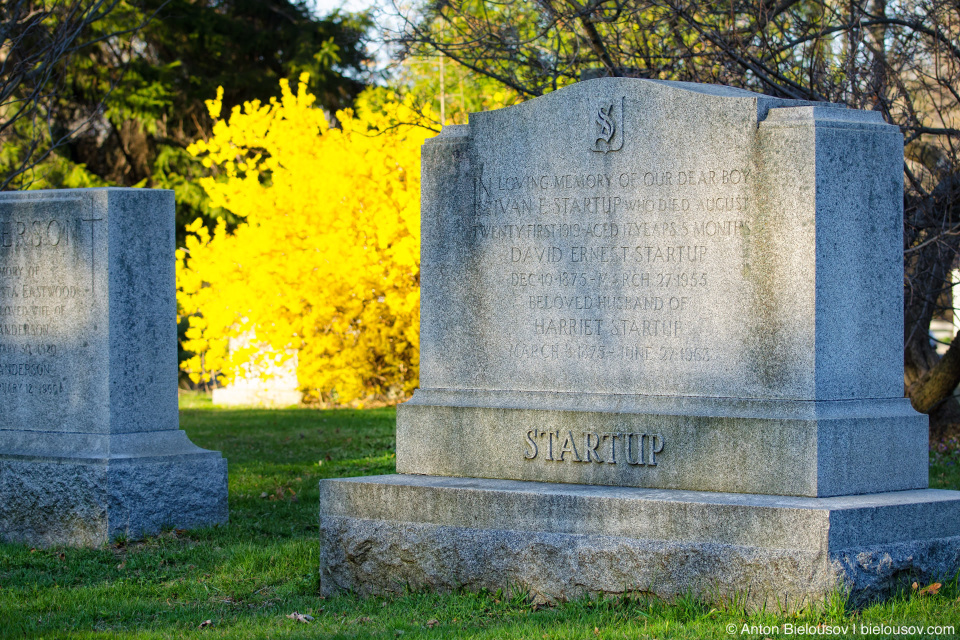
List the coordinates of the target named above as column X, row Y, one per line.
column 561, row 541
column 722, row 278
column 62, row 501
column 783, row 248
column 90, row 446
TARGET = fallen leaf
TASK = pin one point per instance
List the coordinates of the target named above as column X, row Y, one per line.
column 206, row 623
column 596, row 631
column 930, row 589
column 300, row 617
column 432, row 623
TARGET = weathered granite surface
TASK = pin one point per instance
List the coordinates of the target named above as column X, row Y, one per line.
column 653, row 257
column 86, row 503
column 728, row 245
column 561, row 541
column 90, row 446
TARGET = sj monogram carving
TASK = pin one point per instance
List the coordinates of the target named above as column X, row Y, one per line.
column 607, row 127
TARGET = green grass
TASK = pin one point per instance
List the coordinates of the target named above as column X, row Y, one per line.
column 945, row 464
column 248, row 576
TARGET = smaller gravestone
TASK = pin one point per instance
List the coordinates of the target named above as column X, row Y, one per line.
column 265, row 381
column 90, row 445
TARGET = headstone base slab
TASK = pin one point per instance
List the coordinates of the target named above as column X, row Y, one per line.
column 387, row 534
column 93, row 496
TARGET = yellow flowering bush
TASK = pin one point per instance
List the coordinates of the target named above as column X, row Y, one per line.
column 326, row 263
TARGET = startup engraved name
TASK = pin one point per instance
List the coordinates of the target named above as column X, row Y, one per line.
column 605, row 447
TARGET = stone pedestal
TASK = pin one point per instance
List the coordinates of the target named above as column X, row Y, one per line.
column 86, row 490
column 783, row 447
column 90, row 445
column 661, row 349
column 391, row 533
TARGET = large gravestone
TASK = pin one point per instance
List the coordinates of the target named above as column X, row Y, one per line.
column 661, row 349
column 90, row 445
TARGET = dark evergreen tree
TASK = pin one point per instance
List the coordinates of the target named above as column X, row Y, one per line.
column 130, row 93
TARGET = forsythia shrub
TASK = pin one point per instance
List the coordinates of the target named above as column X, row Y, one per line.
column 327, row 261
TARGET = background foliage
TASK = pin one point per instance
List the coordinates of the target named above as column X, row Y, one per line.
column 327, row 260
column 121, row 104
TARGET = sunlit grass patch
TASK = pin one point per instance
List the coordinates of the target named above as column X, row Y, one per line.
column 247, row 577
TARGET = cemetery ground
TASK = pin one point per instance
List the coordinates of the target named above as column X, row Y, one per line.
column 247, row 579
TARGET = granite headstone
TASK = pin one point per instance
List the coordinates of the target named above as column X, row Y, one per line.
column 90, row 445
column 261, row 382
column 661, row 349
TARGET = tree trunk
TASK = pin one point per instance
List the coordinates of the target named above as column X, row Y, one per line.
column 932, row 392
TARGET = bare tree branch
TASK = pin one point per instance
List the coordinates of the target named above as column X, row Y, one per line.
column 38, row 42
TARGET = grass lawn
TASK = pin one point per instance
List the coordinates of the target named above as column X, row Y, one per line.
column 246, row 578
